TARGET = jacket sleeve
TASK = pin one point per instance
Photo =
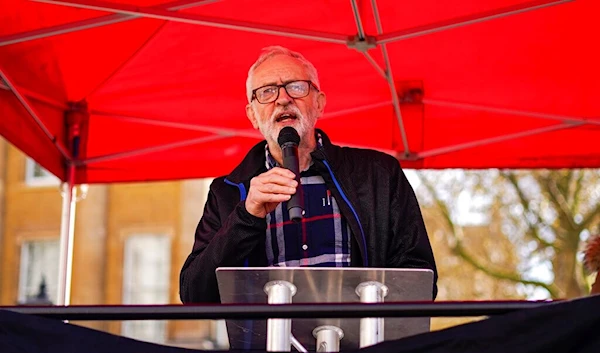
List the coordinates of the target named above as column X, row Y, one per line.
column 221, row 240
column 410, row 247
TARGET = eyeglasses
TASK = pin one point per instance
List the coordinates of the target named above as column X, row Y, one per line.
column 294, row 89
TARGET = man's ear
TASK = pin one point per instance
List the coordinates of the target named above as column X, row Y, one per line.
column 321, row 101
column 251, row 116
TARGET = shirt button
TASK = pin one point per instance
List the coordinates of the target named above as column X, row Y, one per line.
column 304, row 247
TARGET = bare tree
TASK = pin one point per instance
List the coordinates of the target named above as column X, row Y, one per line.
column 545, row 214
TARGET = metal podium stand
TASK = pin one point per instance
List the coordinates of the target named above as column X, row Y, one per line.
column 279, row 285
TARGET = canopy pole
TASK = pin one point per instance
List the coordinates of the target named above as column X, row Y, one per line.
column 391, row 83
column 67, row 227
column 488, row 141
column 93, row 23
column 161, row 14
column 29, row 108
column 567, row 119
column 466, row 20
column 75, row 116
column 145, row 151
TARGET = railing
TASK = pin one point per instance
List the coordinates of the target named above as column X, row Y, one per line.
column 264, row 311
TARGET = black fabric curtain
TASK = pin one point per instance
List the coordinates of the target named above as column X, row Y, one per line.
column 570, row 326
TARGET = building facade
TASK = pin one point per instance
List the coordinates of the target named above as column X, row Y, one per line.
column 129, row 245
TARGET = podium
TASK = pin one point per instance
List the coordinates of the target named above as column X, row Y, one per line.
column 280, row 285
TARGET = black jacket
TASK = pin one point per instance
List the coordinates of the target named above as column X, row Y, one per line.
column 373, row 195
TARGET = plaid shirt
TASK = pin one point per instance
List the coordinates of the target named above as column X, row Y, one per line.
column 321, row 239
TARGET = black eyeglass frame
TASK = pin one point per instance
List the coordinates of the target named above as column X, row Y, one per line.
column 284, row 85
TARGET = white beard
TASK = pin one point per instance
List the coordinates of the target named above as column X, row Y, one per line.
column 303, row 124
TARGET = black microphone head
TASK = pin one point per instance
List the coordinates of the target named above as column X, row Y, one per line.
column 288, row 135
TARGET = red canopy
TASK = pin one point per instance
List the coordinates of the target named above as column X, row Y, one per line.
column 156, row 91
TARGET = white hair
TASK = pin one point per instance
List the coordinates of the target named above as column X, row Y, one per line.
column 272, row 51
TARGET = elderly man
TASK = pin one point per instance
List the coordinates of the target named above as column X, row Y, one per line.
column 360, row 209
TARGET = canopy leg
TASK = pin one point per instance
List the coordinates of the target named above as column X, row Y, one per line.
column 67, row 226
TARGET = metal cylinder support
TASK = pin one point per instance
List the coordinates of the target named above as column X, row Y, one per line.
column 279, row 331
column 67, row 234
column 371, row 329
column 328, row 338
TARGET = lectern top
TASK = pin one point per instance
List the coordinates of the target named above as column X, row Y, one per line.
column 322, row 285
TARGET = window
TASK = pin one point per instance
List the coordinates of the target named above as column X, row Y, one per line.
column 39, row 266
column 146, row 277
column 36, row 175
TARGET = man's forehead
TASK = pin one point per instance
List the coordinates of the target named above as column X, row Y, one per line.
column 279, row 68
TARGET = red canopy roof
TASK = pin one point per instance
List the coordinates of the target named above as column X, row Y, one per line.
column 156, row 90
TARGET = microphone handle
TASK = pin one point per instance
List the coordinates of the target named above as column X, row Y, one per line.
column 295, row 205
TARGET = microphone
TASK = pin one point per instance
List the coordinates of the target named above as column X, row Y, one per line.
column 288, row 141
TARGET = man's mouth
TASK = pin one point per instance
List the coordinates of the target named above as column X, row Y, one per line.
column 285, row 117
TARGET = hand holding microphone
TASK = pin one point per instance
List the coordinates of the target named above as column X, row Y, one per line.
column 269, row 189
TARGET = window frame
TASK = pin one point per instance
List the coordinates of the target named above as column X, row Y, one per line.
column 48, row 179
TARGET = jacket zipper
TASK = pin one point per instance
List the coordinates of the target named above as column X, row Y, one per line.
column 362, row 233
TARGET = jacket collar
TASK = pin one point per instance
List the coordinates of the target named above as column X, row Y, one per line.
column 254, row 162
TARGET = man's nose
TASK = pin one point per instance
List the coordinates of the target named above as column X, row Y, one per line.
column 284, row 98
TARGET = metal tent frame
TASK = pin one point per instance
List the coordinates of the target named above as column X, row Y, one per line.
column 362, row 42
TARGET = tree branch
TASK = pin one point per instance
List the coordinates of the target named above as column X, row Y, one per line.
column 576, row 192
column 513, row 277
column 439, row 203
column 533, row 230
column 590, row 217
column 459, row 250
column 559, row 200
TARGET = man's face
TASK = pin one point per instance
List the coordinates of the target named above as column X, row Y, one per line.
column 300, row 113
